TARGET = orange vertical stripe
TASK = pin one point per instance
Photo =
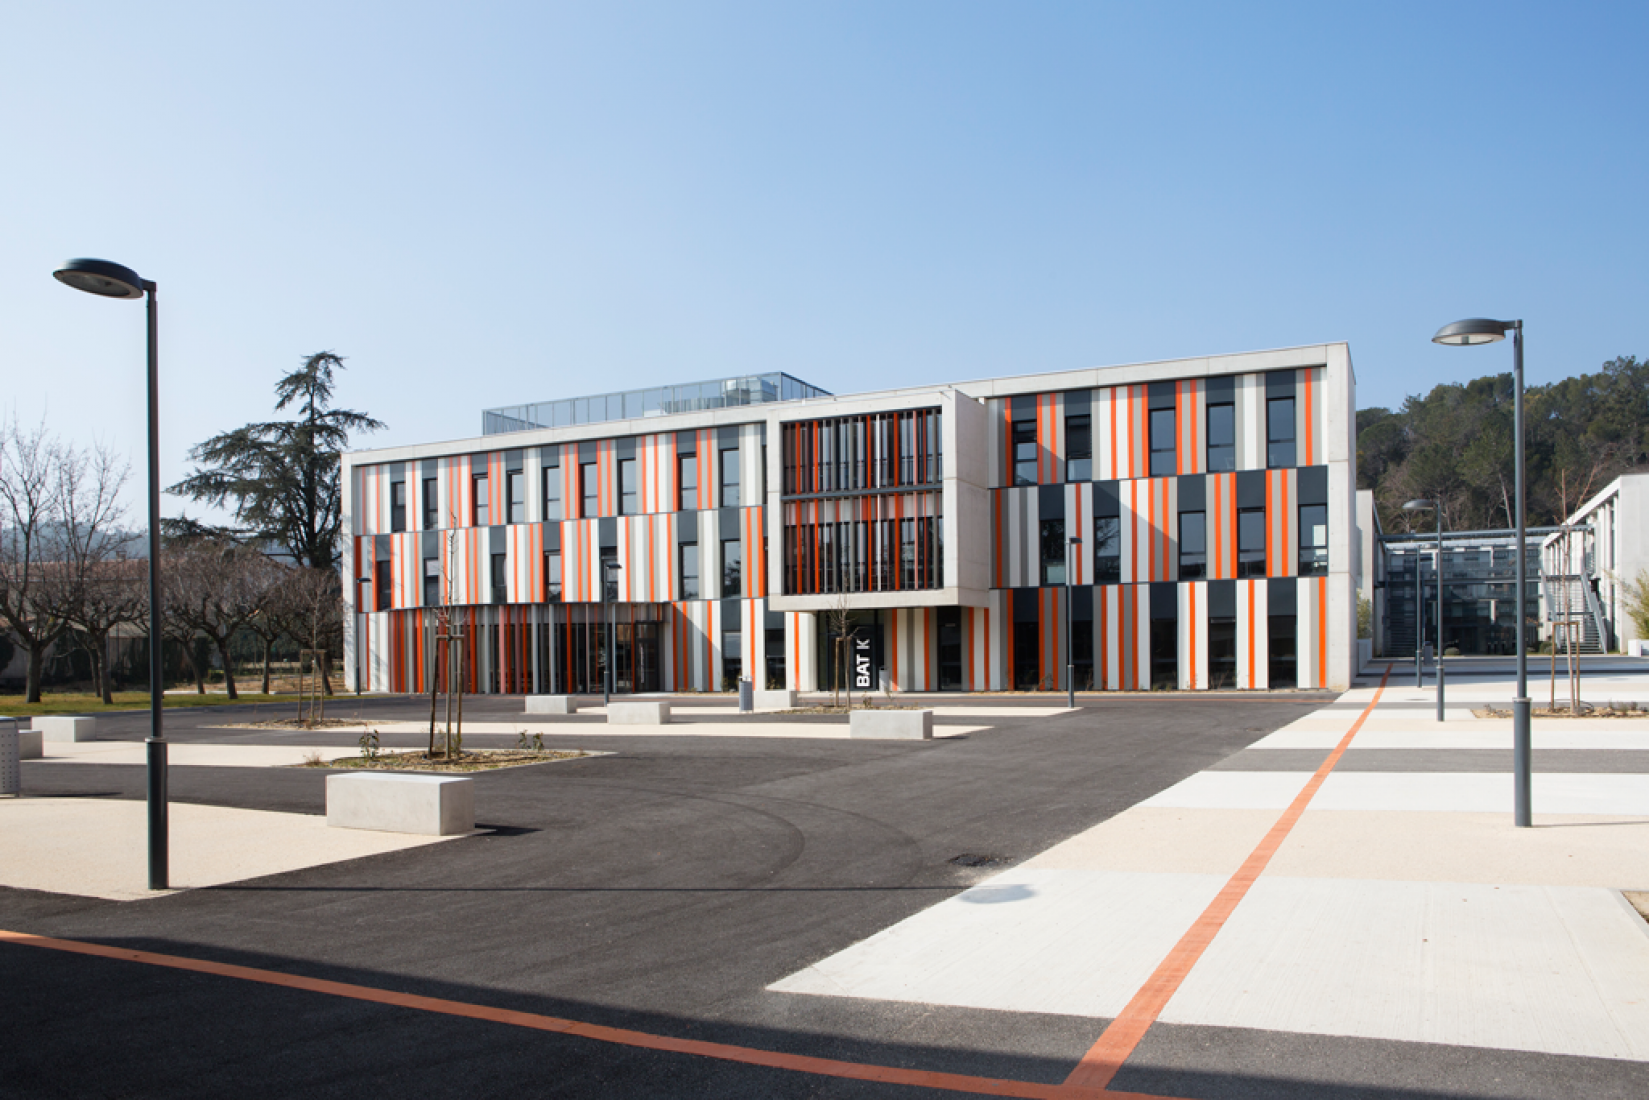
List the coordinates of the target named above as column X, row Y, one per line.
column 1310, row 441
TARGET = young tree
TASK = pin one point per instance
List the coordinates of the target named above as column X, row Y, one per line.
column 280, row 477
column 211, row 589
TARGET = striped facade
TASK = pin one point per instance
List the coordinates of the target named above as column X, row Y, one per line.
column 1211, row 513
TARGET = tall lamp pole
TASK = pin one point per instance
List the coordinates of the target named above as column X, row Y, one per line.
column 1482, row 330
column 609, row 566
column 1419, row 631
column 111, row 280
column 1073, row 548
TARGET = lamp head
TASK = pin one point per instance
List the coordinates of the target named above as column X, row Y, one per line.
column 1419, row 506
column 1476, row 330
column 100, row 277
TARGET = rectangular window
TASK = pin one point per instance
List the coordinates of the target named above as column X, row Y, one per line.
column 1164, row 443
column 689, row 571
column 732, row 567
column 397, row 506
column 515, row 508
column 1107, row 549
column 1313, row 540
column 432, row 582
column 1279, row 432
column 481, row 504
column 610, row 572
column 432, row 504
column 589, row 487
column 1251, row 542
column 381, row 584
column 1222, row 439
column 732, row 660
column 1079, row 448
column 1024, row 452
column 730, row 478
column 500, row 579
column 629, row 492
column 552, row 493
column 687, row 482
column 1193, row 546
column 1053, row 551
column 552, row 576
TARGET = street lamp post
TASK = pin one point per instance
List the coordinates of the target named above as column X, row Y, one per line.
column 1481, row 330
column 609, row 566
column 1073, row 548
column 1420, row 506
column 111, row 280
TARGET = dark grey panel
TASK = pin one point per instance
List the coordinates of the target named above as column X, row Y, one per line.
column 1250, row 488
column 1222, row 599
column 1161, row 395
column 625, row 446
column 1282, row 595
column 607, row 532
column 1050, row 501
column 1164, row 600
column 1220, row 391
column 1106, row 499
column 1279, row 383
column 1078, row 402
column 727, row 523
column 515, row 460
column 1193, row 493
column 1313, row 485
column 686, row 443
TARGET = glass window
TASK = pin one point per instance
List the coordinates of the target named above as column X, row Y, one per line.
column 732, row 567
column 552, row 575
column 432, row 504
column 689, row 570
column 1251, row 542
column 1193, row 545
column 1313, row 540
column 610, row 571
column 381, row 574
column 1107, row 549
column 1053, row 551
column 552, row 492
column 482, row 504
column 1024, row 452
column 432, row 582
column 1279, row 432
column 730, row 478
column 732, row 660
column 1164, row 449
column 687, row 480
column 500, row 579
column 589, row 481
column 1079, row 448
column 1222, row 438
column 629, row 494
column 398, row 506
column 516, row 505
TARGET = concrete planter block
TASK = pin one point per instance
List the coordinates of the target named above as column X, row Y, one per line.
column 900, row 725
column 638, row 714
column 552, row 704
column 429, row 805
column 67, row 729
column 29, row 746
column 775, row 700
column 11, row 776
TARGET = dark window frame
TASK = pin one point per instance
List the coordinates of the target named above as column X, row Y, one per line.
column 687, row 584
column 1280, row 450
column 1221, row 458
column 1168, row 452
column 480, row 501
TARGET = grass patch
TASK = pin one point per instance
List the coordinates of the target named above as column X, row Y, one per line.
column 86, row 703
column 472, row 760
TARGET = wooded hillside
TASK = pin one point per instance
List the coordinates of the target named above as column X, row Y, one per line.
column 1454, row 445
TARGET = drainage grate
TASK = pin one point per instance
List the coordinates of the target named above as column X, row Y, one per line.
column 972, row 860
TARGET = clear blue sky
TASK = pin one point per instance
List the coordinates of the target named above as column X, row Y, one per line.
column 483, row 204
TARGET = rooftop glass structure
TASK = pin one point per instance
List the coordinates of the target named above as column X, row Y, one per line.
column 720, row 393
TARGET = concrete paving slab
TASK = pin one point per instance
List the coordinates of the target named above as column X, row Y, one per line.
column 96, row 847
column 1488, row 734
column 1029, row 940
column 1561, row 850
column 1177, row 841
column 188, row 754
column 1595, row 793
column 1560, row 970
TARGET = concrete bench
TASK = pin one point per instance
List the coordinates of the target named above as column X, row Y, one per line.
column 67, row 729
column 775, row 700
column 552, row 704
column 638, row 714
column 429, row 805
column 899, row 725
column 29, row 745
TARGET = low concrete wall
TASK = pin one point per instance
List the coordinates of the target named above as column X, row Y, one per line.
column 638, row 714
column 900, row 725
column 1365, row 652
column 775, row 700
column 429, row 805
column 67, row 729
column 552, row 704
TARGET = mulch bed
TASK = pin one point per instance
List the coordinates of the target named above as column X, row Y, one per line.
column 471, row 760
column 1586, row 710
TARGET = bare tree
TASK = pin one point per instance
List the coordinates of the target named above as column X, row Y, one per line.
column 212, row 588
column 59, row 527
column 271, row 621
column 113, row 594
column 310, row 609
column 839, row 619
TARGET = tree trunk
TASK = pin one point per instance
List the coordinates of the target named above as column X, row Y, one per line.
column 266, row 648
column 37, row 656
column 194, row 669
column 228, row 666
column 326, row 677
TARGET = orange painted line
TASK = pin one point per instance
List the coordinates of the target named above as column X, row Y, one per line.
column 798, row 1063
column 1120, row 1039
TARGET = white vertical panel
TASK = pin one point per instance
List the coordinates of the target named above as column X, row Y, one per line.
column 1250, row 415
column 1252, row 609
column 1193, row 636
